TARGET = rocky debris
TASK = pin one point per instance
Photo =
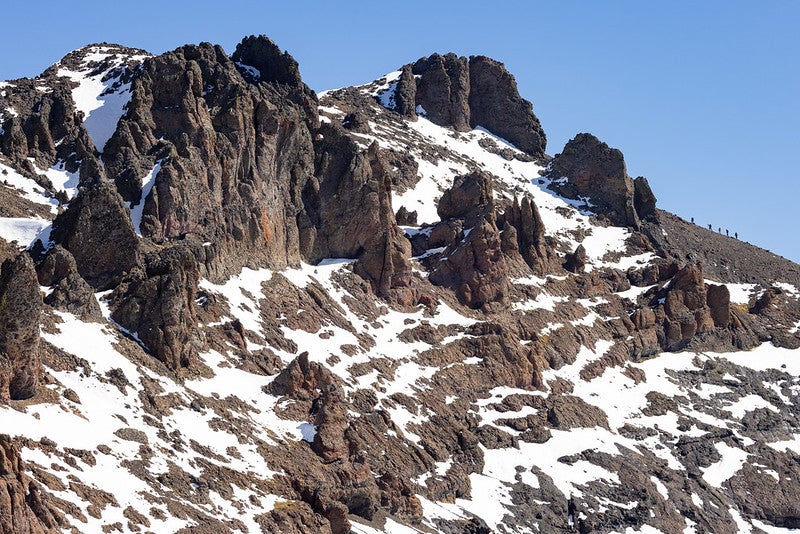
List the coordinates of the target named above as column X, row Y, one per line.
column 777, row 311
column 69, row 291
column 156, row 303
column 495, row 104
column 96, row 229
column 595, row 171
column 24, row 505
column 725, row 259
column 20, row 311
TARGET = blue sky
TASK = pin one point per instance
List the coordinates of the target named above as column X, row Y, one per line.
column 703, row 98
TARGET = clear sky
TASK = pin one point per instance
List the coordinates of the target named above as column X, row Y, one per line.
column 703, row 98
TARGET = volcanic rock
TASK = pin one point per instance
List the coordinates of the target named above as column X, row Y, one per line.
column 592, row 169
column 70, row 292
column 24, row 505
column 157, row 304
column 495, row 104
column 96, row 229
column 531, row 242
column 474, row 267
column 443, row 90
column 233, row 153
column 20, row 310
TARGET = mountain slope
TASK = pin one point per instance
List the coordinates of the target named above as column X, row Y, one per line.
column 367, row 310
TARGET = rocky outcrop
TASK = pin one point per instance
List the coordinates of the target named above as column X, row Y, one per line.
column 443, row 90
column 464, row 94
column 272, row 64
column 644, row 201
column 156, row 303
column 349, row 213
column 20, row 310
column 473, row 264
column 25, row 507
column 495, row 104
column 405, row 93
column 69, row 291
column 523, row 217
column 576, row 261
column 234, row 152
column 587, row 167
column 96, row 229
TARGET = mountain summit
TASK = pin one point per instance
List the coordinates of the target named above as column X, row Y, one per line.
column 229, row 304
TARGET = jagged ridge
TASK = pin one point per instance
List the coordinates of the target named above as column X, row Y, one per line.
column 483, row 338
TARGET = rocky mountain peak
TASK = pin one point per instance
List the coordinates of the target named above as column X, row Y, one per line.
column 451, row 90
column 230, row 305
column 98, row 57
column 270, row 63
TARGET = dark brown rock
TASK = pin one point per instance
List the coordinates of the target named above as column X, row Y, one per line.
column 524, row 217
column 495, row 104
column 234, row 153
column 476, row 268
column 25, row 507
column 718, row 298
column 273, row 65
column 96, row 229
column 69, row 291
column 443, row 90
column 470, row 195
column 301, row 379
column 386, row 257
column 405, row 94
column 20, row 310
column 157, row 304
column 643, row 199
column 593, row 169
column 576, row 261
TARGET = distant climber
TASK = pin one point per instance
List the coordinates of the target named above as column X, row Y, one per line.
column 719, row 229
column 736, row 235
column 692, row 220
column 709, row 226
column 726, row 232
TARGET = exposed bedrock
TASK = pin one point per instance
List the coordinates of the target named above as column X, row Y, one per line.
column 20, row 311
column 589, row 168
column 466, row 93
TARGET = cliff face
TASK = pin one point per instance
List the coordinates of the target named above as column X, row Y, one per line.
column 230, row 304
